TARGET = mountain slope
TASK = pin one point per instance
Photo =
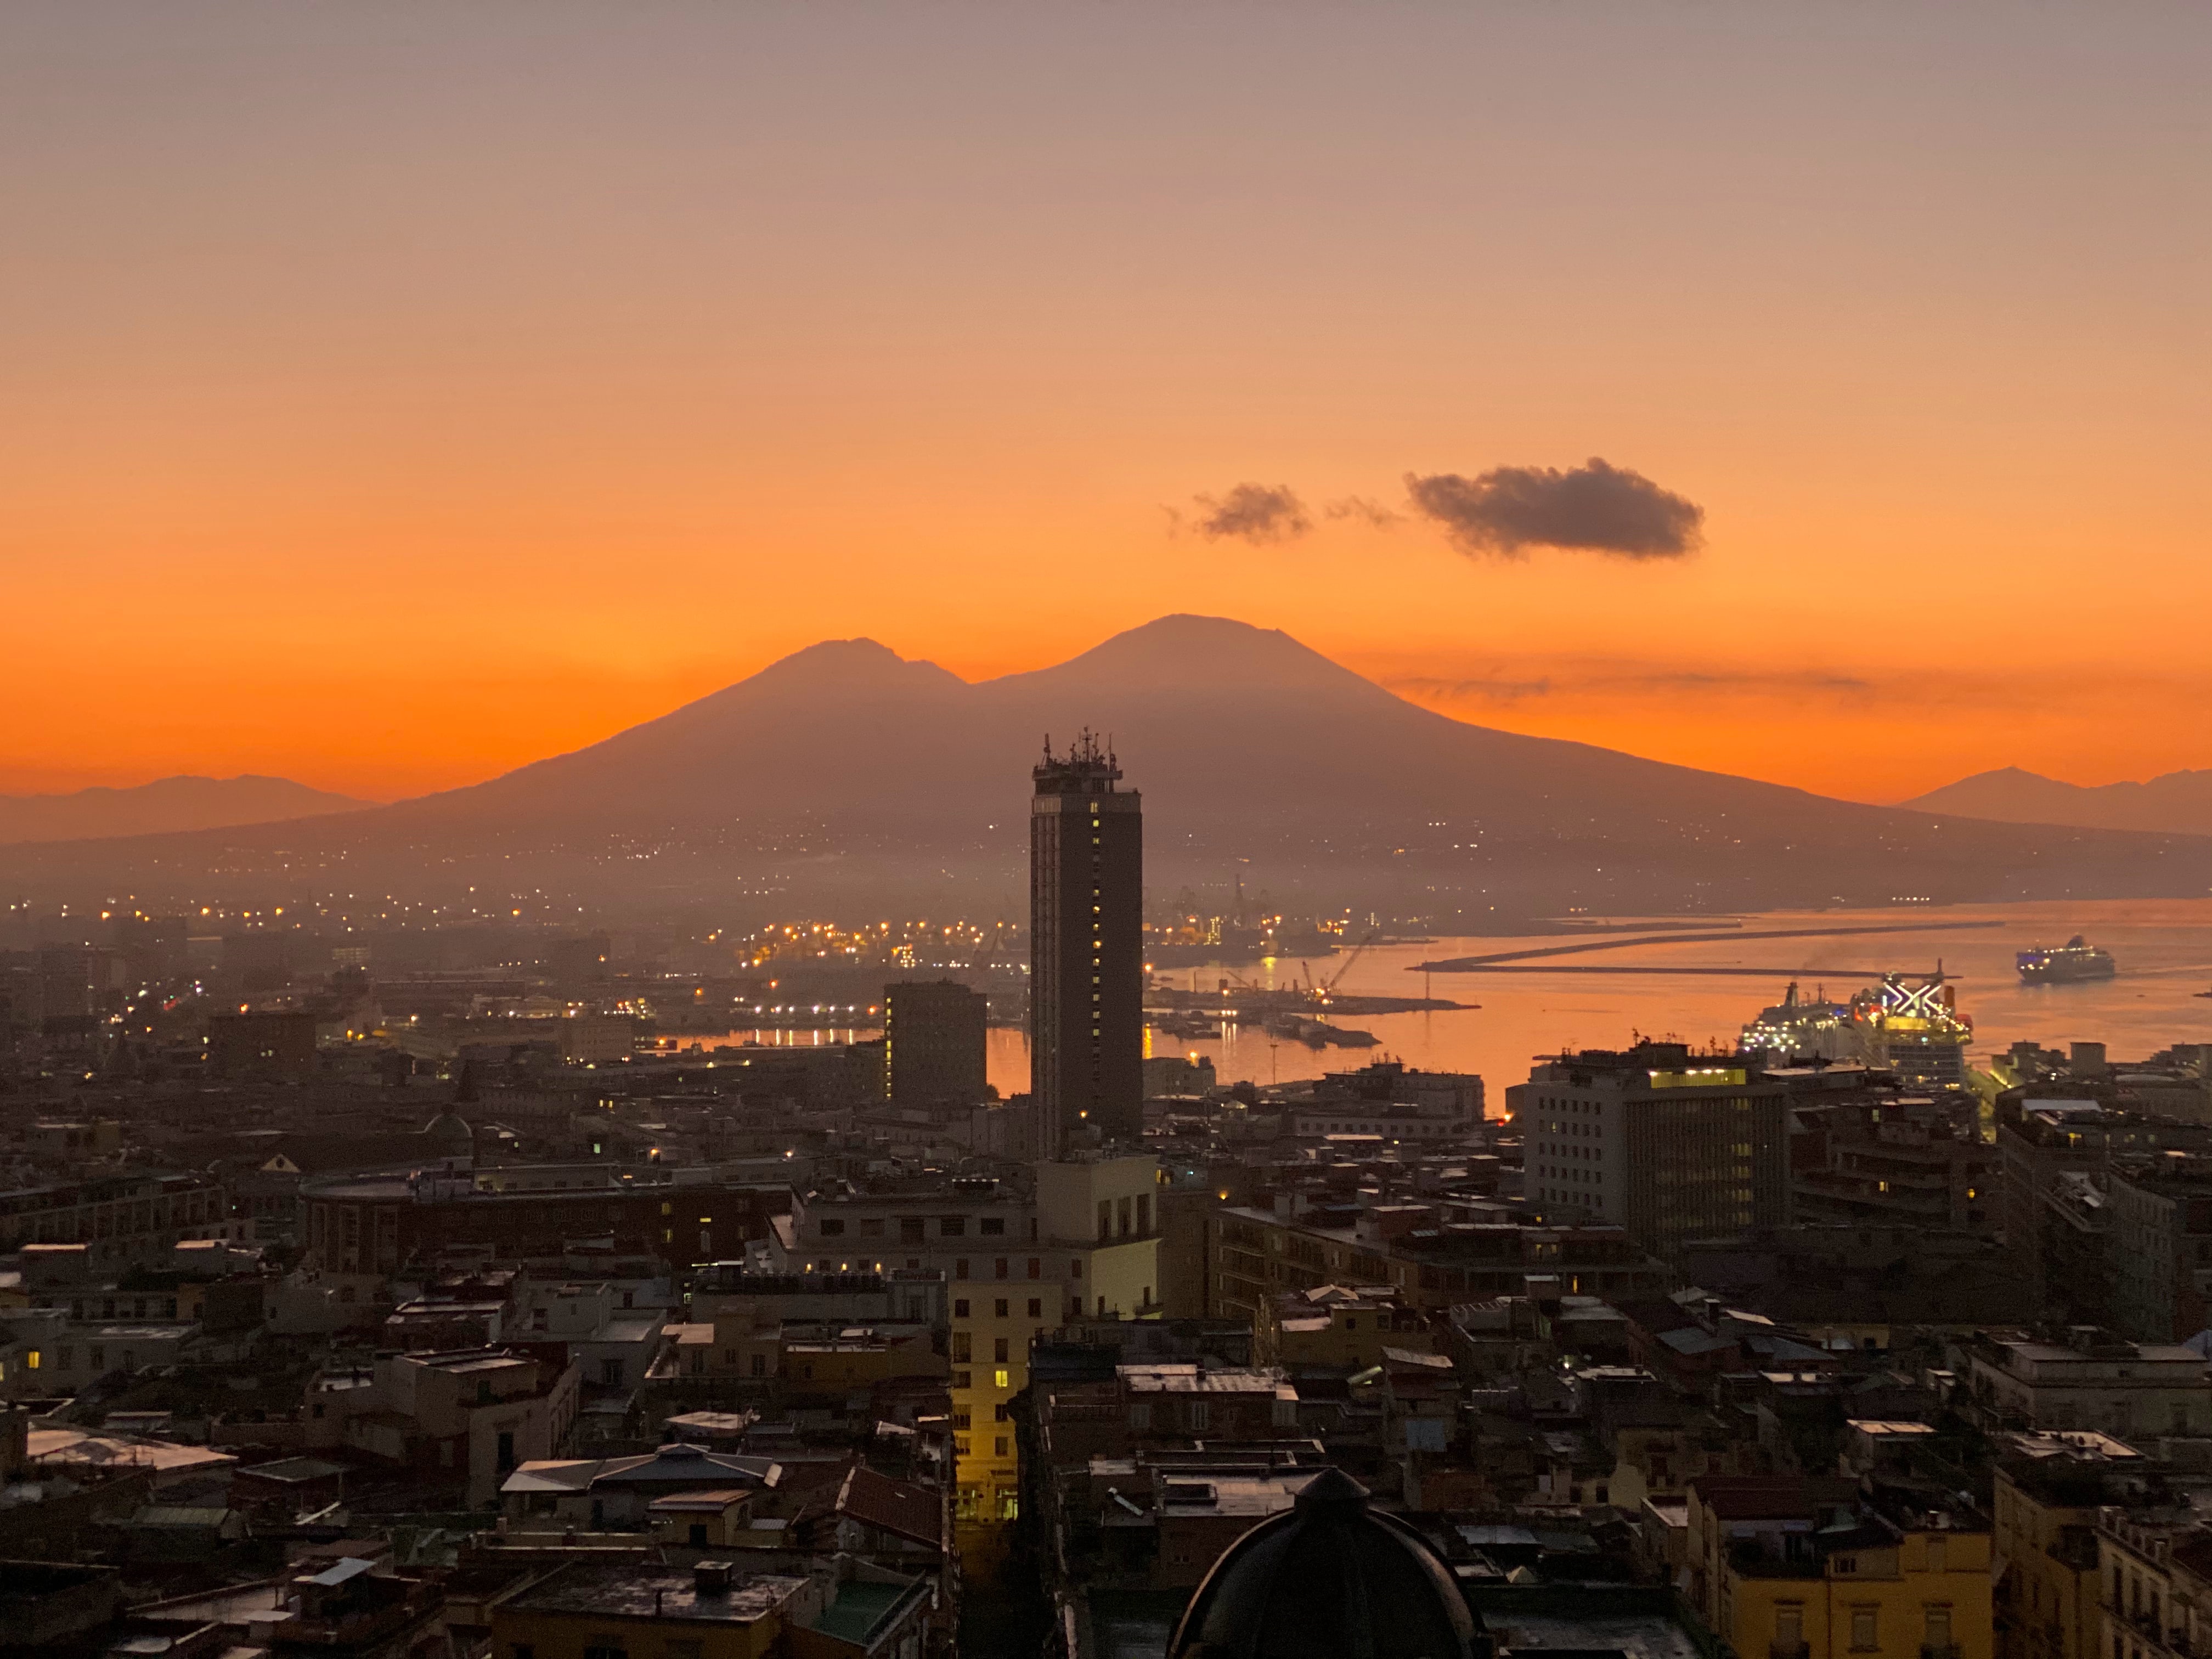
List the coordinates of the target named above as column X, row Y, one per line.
column 166, row 804
column 846, row 768
column 2178, row 802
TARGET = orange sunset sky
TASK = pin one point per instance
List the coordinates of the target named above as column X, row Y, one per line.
column 394, row 394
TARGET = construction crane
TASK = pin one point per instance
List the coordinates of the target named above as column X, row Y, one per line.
column 1328, row 987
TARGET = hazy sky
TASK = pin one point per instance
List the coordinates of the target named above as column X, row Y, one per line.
column 391, row 394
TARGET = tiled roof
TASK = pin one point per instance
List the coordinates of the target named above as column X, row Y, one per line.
column 897, row 1507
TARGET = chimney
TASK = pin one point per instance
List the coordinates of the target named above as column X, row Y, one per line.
column 711, row 1578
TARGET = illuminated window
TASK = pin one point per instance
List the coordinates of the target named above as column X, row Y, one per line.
column 1001, row 1379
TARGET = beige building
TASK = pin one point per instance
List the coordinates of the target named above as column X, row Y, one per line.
column 1342, row 1325
column 2155, row 1572
column 2048, row 1488
column 1084, row 1243
column 2123, row 1389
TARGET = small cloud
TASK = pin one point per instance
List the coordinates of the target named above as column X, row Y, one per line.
column 1371, row 514
column 1598, row 507
column 1258, row 513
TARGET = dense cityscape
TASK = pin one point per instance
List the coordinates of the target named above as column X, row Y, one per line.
column 1137, row 830
column 468, row 1286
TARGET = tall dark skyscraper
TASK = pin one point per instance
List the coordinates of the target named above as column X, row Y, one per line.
column 1086, row 948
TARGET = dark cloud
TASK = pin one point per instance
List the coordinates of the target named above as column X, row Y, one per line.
column 1600, row 507
column 1371, row 514
column 1259, row 513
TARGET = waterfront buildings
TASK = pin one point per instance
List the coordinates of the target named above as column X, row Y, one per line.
column 1086, row 948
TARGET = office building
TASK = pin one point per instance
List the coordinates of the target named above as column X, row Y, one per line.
column 934, row 1041
column 1086, row 948
column 1671, row 1149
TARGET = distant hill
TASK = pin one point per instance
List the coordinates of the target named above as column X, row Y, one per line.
column 845, row 769
column 2178, row 802
column 167, row 804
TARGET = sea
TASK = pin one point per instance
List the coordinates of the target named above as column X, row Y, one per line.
column 2163, row 949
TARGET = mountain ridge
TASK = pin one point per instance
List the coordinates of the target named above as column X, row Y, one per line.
column 187, row 801
column 2174, row 803
column 848, row 764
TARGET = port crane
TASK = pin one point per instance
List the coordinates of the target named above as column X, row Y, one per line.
column 1325, row 988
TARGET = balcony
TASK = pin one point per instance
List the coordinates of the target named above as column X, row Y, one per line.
column 1789, row 1650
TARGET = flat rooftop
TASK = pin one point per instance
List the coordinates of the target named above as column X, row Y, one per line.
column 635, row 1591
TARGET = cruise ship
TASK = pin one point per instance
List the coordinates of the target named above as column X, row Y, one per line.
column 2064, row 964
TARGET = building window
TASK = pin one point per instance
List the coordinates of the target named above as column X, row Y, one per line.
column 1140, row 1416
column 963, row 1350
column 1938, row 1628
column 1000, row 1307
column 964, row 1379
column 834, row 1228
column 1000, row 1268
column 1002, row 1379
column 952, row 1226
column 1864, row 1636
column 1036, row 1266
column 1001, row 1444
column 960, row 1307
column 993, row 1225
column 1075, row 1267
column 999, row 1349
column 1036, row 1307
column 960, row 1268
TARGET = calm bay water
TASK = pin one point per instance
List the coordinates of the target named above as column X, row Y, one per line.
column 2164, row 949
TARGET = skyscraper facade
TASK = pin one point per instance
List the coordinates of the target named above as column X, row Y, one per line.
column 1086, row 948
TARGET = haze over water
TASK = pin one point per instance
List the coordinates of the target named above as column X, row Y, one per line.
column 2164, row 949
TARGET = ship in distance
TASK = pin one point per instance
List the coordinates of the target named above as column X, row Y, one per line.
column 2065, row 964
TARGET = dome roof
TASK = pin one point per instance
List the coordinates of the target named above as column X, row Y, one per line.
column 449, row 1126
column 1331, row 1579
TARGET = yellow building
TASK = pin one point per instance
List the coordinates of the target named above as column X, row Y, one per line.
column 1810, row 1567
column 1084, row 1242
column 2048, row 1490
column 1096, row 1228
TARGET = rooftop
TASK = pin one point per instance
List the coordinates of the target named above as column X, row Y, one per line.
column 634, row 1590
